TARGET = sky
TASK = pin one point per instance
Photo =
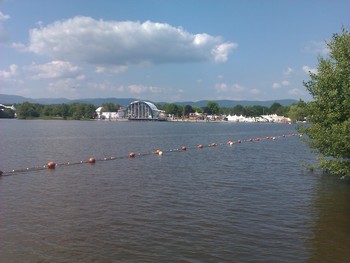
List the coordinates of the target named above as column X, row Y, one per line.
column 165, row 50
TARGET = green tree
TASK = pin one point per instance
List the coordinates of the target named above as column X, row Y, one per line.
column 27, row 110
column 213, row 107
column 329, row 113
column 298, row 111
column 256, row 110
column 110, row 107
column 197, row 109
column 188, row 109
column 62, row 110
column 170, row 108
column 239, row 110
column 277, row 108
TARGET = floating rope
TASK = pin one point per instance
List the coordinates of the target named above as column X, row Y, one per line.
column 92, row 160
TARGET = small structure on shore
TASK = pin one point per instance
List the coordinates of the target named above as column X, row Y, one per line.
column 101, row 115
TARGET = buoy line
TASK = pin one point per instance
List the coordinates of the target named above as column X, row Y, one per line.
column 91, row 160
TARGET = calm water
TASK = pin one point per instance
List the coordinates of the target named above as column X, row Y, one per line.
column 253, row 202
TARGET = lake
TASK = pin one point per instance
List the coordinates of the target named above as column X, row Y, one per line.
column 249, row 202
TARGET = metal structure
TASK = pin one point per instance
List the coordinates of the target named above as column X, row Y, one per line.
column 7, row 107
column 143, row 110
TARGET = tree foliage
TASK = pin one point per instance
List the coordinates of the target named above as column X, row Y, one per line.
column 298, row 111
column 110, row 107
column 329, row 113
column 75, row 111
column 213, row 107
column 7, row 113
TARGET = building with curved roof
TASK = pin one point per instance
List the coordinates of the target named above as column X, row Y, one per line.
column 143, row 110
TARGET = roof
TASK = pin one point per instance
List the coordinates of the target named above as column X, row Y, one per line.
column 151, row 105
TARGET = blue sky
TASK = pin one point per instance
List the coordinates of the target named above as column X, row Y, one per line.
column 164, row 50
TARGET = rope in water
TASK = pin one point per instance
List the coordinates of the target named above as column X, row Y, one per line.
column 92, row 160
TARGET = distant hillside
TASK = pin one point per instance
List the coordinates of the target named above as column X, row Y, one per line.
column 13, row 99
column 232, row 103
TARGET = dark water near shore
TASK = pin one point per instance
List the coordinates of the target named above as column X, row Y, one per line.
column 253, row 202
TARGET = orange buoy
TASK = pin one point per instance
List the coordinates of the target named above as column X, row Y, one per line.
column 157, row 151
column 132, row 155
column 51, row 165
column 1, row 173
column 239, row 141
column 250, row 140
column 200, row 146
column 257, row 139
column 184, row 148
column 91, row 160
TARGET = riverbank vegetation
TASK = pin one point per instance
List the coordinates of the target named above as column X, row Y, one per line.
column 76, row 111
column 329, row 112
column 82, row 111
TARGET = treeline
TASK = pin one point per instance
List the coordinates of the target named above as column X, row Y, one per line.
column 83, row 111
column 75, row 111
column 296, row 111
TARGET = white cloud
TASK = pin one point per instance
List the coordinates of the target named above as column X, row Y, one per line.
column 254, row 91
column 295, row 92
column 317, row 47
column 307, row 70
column 222, row 51
column 285, row 83
column 102, row 43
column 3, row 34
column 68, row 86
column 224, row 87
column 111, row 69
column 3, row 17
column 288, row 71
column 8, row 74
column 105, row 87
column 138, row 89
column 57, row 69
column 277, row 85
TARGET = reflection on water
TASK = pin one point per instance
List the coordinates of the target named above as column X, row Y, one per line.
column 331, row 233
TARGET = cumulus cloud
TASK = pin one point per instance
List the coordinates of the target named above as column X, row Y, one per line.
column 105, row 87
column 295, row 92
column 8, row 74
column 277, row 85
column 3, row 17
column 3, row 34
column 317, row 47
column 285, row 83
column 67, row 86
column 307, row 70
column 288, row 71
column 224, row 87
column 102, row 43
column 111, row 69
column 254, row 91
column 138, row 89
column 57, row 69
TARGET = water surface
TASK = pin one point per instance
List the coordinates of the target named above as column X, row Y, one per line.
column 253, row 202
